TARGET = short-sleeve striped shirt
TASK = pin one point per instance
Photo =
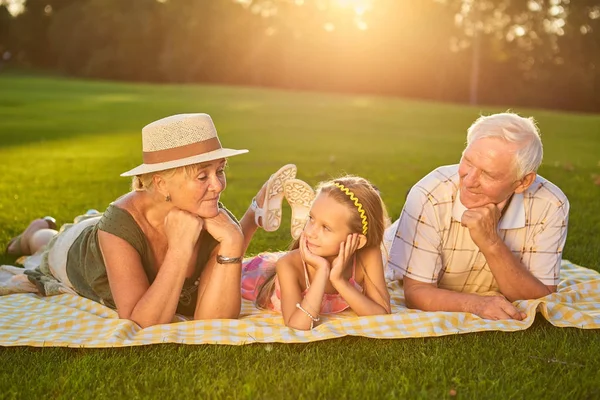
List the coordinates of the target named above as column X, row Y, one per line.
column 430, row 244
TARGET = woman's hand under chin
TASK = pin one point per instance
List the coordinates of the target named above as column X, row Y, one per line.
column 224, row 229
column 182, row 228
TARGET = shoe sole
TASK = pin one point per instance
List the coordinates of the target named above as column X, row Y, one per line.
column 274, row 197
column 300, row 196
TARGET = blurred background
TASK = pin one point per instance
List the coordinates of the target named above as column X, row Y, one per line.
column 533, row 53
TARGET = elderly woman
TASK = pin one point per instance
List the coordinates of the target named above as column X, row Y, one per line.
column 168, row 246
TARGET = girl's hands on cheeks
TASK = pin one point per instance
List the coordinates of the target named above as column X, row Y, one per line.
column 310, row 258
column 347, row 249
column 182, row 228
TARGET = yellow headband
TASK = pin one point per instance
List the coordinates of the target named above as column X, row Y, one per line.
column 358, row 205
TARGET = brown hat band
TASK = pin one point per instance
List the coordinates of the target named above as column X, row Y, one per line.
column 178, row 153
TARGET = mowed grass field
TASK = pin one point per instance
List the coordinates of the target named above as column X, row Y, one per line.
column 64, row 142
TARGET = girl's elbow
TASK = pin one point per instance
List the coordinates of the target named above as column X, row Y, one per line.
column 387, row 308
column 298, row 326
column 144, row 323
column 137, row 319
column 379, row 311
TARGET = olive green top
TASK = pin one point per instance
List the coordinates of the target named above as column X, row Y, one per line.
column 87, row 272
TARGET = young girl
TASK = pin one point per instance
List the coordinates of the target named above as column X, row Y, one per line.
column 336, row 264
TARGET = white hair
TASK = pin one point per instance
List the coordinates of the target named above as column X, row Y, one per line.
column 515, row 129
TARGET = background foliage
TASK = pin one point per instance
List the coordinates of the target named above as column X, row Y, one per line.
column 543, row 53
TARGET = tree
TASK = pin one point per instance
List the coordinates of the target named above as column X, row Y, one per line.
column 108, row 38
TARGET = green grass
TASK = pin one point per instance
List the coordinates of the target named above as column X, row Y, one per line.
column 64, row 142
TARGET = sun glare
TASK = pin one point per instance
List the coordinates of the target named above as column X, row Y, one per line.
column 359, row 6
column 14, row 7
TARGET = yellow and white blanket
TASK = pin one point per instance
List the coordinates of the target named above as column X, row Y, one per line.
column 71, row 321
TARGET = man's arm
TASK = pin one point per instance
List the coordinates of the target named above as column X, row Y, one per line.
column 428, row 297
column 516, row 280
column 416, row 252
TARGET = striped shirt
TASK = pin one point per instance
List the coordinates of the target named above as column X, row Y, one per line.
column 430, row 244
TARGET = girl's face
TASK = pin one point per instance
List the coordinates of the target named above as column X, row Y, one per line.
column 327, row 226
column 199, row 192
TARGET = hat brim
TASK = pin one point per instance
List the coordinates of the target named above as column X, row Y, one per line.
column 200, row 158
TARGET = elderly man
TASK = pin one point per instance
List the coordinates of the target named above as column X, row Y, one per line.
column 476, row 236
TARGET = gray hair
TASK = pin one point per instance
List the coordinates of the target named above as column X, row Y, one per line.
column 515, row 129
column 145, row 182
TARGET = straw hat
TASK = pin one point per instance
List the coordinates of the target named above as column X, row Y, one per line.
column 179, row 140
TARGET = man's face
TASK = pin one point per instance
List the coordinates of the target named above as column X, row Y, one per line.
column 487, row 172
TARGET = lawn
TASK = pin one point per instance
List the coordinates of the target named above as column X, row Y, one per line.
column 64, row 142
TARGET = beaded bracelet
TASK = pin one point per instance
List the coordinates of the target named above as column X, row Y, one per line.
column 299, row 307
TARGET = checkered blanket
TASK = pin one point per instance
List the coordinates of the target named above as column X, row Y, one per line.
column 72, row 321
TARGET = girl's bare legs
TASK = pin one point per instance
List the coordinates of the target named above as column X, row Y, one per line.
column 247, row 222
column 274, row 186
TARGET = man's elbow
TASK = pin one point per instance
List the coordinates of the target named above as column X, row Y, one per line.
column 542, row 291
column 415, row 294
column 551, row 289
column 412, row 299
column 413, row 305
column 546, row 290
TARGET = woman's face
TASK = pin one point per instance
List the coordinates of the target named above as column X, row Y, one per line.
column 199, row 192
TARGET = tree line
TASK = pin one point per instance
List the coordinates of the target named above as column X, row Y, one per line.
column 542, row 53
